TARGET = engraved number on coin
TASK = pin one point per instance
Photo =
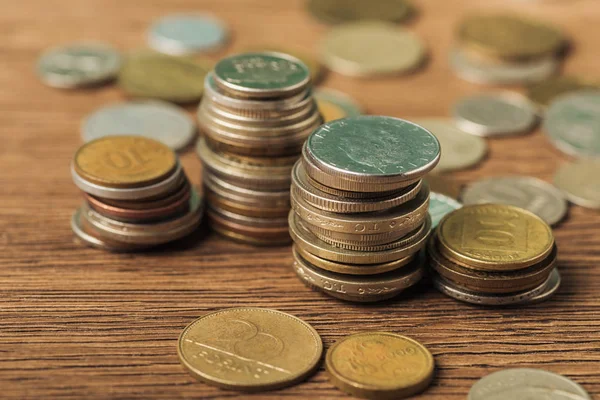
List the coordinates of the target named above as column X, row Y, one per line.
column 483, row 232
column 126, row 159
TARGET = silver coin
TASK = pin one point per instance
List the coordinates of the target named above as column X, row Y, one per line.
column 535, row 195
column 182, row 34
column 551, row 288
column 156, row 120
column 78, row 65
column 580, row 182
column 526, row 384
column 439, row 206
column 572, row 122
column 475, row 71
column 495, row 114
column 460, row 149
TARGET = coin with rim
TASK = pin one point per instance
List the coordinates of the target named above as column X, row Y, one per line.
column 265, row 349
column 439, row 206
column 579, row 182
column 315, row 68
column 339, row 11
column 552, row 286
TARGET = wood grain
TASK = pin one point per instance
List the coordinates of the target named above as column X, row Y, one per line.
column 82, row 323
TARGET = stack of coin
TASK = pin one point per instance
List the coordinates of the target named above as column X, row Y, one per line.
column 359, row 206
column 137, row 195
column 493, row 254
column 257, row 112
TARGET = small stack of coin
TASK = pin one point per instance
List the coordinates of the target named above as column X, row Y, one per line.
column 137, row 195
column 492, row 254
column 359, row 206
column 256, row 114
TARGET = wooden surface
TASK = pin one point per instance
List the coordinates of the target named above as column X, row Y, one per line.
column 82, row 323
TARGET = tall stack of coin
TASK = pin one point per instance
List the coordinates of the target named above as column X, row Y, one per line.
column 359, row 206
column 137, row 195
column 494, row 254
column 257, row 112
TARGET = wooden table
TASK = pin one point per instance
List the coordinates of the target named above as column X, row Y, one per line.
column 82, row 323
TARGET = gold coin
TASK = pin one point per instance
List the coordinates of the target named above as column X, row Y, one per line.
column 315, row 69
column 330, row 111
column 494, row 237
column 544, row 92
column 124, row 161
column 339, row 11
column 510, row 37
column 250, row 349
column 380, row 365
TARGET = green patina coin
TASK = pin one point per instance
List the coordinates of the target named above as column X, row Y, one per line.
column 262, row 74
column 439, row 206
column 373, row 149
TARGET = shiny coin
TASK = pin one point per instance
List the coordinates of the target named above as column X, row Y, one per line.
column 526, row 383
column 78, row 65
column 371, row 48
column 552, row 286
column 250, row 349
column 156, row 120
column 494, row 237
column 335, row 105
column 182, row 34
column 572, row 122
column 495, row 114
column 160, row 76
column 460, row 149
column 543, row 93
column 439, row 206
column 338, row 11
column 260, row 75
column 579, row 182
column 379, row 365
column 315, row 68
column 532, row 194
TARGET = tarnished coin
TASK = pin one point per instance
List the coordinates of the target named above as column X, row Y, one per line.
column 572, row 122
column 78, row 65
column 580, row 183
column 460, row 149
column 157, row 120
column 439, row 206
column 535, row 195
column 182, row 34
column 335, row 105
column 496, row 114
column 147, row 74
column 371, row 48
column 526, row 383
column 338, row 11
column 315, row 68
column 250, row 349
column 380, row 365
column 543, row 93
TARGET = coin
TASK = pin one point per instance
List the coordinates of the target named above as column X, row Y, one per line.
column 181, row 34
column 79, row 64
column 147, row 74
column 532, row 194
column 335, row 105
column 124, row 161
column 250, row 349
column 338, row 11
column 572, row 122
column 371, row 48
column 379, row 365
column 439, row 206
column 579, row 182
column 273, row 231
column 543, row 93
column 495, row 114
column 522, row 383
column 461, row 150
column 261, row 75
column 552, row 287
column 314, row 67
column 157, row 120
column 494, row 237
column 510, row 37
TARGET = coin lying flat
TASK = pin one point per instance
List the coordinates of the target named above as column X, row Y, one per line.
column 526, row 383
column 535, row 195
column 371, row 48
column 552, row 286
column 439, row 206
column 250, row 349
column 157, row 120
column 495, row 114
column 78, row 65
column 380, row 365
column 572, row 122
column 579, row 182
column 181, row 34
column 315, row 68
column 338, row 11
column 543, row 93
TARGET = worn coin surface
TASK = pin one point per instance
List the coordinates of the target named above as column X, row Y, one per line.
column 495, row 114
column 334, row 104
column 157, row 120
column 181, row 34
column 572, row 122
column 371, row 48
column 250, row 349
column 460, row 149
column 380, row 365
column 526, row 383
column 544, row 92
column 535, row 195
column 338, row 11
column 439, row 206
column 77, row 65
column 579, row 182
